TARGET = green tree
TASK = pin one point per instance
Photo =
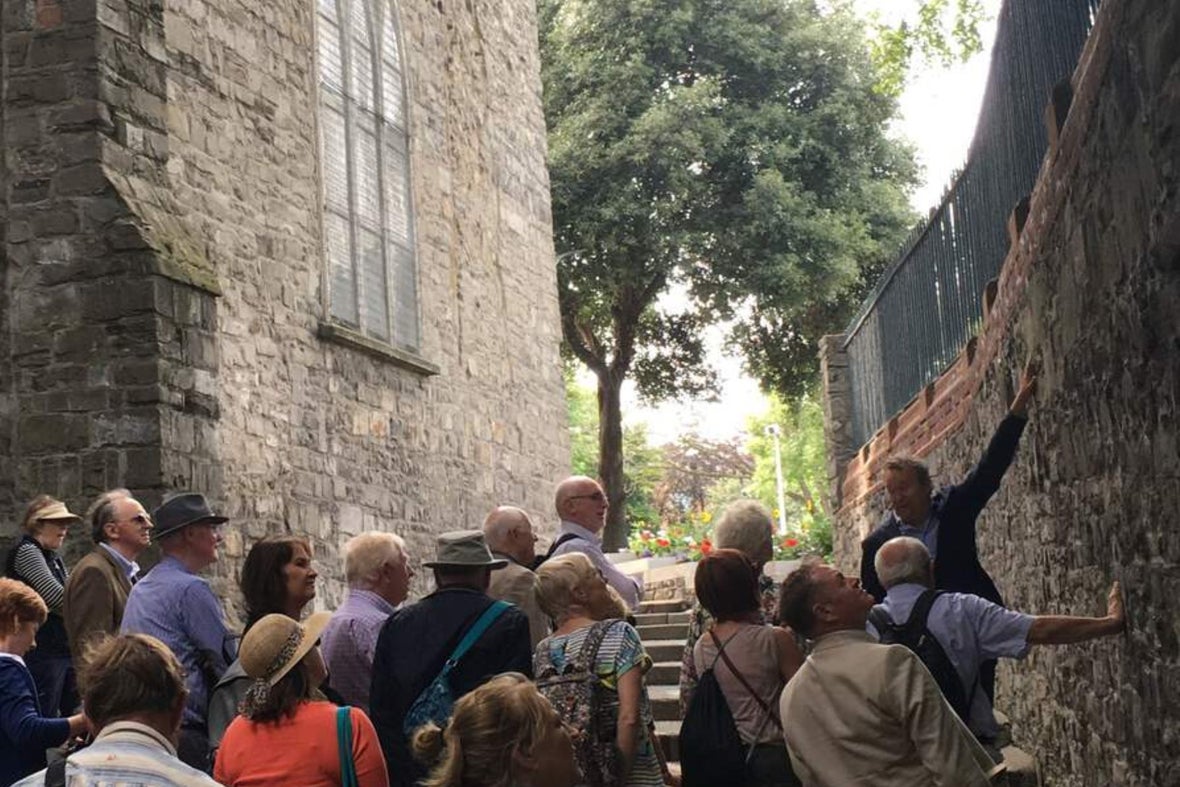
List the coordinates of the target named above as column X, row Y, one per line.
column 804, row 461
column 937, row 31
column 734, row 151
column 644, row 462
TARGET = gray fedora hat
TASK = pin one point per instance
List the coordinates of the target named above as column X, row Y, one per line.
column 464, row 549
column 188, row 508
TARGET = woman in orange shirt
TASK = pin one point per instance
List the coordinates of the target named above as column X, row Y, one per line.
column 288, row 733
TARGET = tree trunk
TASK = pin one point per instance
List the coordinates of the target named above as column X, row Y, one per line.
column 610, row 459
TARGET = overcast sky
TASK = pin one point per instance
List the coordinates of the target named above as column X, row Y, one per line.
column 938, row 112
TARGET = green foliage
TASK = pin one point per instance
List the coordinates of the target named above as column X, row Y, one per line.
column 735, row 148
column 939, row 32
column 643, row 462
column 804, row 461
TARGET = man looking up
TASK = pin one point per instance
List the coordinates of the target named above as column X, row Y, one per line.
column 510, row 536
column 972, row 630
column 97, row 590
column 858, row 712
column 581, row 505
column 177, row 607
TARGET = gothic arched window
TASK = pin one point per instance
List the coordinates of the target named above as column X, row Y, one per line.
column 368, row 227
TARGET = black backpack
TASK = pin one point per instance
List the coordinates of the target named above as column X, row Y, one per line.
column 711, row 750
column 917, row 637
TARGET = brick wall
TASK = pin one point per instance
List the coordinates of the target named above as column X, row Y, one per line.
column 205, row 144
column 1091, row 290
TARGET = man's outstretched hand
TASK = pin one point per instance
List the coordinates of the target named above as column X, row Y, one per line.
column 1028, row 387
column 1114, row 607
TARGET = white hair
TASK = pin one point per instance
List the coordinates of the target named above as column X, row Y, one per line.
column 365, row 554
column 499, row 524
column 900, row 560
column 745, row 525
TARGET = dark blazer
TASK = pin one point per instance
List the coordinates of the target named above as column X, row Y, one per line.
column 24, row 733
column 96, row 594
column 415, row 643
column 956, row 508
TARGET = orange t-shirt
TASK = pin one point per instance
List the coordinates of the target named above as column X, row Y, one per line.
column 298, row 751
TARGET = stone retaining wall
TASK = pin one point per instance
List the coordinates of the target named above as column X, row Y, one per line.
column 1092, row 291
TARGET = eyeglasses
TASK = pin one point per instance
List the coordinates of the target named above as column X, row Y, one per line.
column 139, row 519
column 597, row 497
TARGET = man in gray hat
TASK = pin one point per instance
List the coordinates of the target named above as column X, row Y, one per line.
column 174, row 605
column 418, row 639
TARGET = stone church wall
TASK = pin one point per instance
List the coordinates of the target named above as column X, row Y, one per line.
column 1092, row 291
column 207, row 366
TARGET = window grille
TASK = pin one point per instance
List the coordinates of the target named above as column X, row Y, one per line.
column 368, row 231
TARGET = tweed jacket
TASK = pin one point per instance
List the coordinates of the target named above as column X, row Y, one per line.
column 514, row 584
column 858, row 713
column 96, row 594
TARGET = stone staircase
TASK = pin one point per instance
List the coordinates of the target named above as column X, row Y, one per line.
column 663, row 627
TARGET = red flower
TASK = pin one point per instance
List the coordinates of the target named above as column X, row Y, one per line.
column 663, row 542
column 706, row 547
column 790, row 543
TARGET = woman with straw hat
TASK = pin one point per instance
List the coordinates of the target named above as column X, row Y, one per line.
column 288, row 733
column 36, row 561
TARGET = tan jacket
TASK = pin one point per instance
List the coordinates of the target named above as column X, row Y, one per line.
column 514, row 584
column 96, row 594
column 860, row 713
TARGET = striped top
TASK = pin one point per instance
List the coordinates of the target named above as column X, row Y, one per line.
column 126, row 753
column 41, row 570
column 621, row 652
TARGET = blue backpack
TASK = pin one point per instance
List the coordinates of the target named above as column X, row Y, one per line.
column 436, row 701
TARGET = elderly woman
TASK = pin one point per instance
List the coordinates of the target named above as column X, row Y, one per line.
column 752, row 661
column 25, row 733
column 502, row 734
column 744, row 525
column 288, row 733
column 277, row 578
column 589, row 632
column 35, row 561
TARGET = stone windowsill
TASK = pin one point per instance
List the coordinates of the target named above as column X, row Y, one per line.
column 334, row 332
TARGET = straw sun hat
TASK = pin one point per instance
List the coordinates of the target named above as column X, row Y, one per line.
column 274, row 645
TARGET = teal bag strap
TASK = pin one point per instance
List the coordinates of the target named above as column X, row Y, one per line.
column 474, row 633
column 344, row 742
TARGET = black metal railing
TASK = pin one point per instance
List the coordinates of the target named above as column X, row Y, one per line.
column 930, row 301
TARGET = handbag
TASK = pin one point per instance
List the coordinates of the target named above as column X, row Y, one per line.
column 344, row 742
column 435, row 702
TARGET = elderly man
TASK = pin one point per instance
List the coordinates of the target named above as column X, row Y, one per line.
column 133, row 692
column 177, row 607
column 581, row 505
column 420, row 638
column 97, row 590
column 858, row 712
column 970, row 629
column 744, row 525
column 509, row 534
column 377, row 568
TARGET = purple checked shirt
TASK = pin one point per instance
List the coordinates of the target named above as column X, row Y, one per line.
column 178, row 608
column 348, row 642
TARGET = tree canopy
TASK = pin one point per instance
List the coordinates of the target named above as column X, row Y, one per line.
column 731, row 151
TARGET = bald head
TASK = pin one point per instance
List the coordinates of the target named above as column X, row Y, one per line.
column 904, row 559
column 579, row 499
column 508, row 530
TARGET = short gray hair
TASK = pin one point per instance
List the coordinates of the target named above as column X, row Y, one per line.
column 557, row 580
column 903, row 462
column 102, row 510
column 745, row 525
column 900, row 560
column 365, row 554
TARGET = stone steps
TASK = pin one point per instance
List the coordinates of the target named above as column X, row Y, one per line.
column 663, row 650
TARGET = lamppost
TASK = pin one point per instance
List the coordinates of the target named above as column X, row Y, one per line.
column 774, row 431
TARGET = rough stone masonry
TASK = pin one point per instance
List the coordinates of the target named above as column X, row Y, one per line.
column 163, row 301
column 1091, row 290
